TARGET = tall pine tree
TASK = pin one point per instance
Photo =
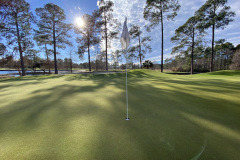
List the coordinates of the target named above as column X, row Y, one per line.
column 142, row 47
column 16, row 21
column 188, row 35
column 89, row 37
column 214, row 14
column 109, row 25
column 53, row 29
column 156, row 11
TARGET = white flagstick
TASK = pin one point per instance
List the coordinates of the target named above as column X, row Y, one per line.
column 125, row 40
column 126, row 88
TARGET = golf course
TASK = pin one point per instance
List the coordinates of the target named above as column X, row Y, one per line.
column 82, row 117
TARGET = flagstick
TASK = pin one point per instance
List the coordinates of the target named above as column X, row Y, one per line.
column 126, row 87
column 125, row 40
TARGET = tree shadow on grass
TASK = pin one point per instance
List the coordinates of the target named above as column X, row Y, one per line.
column 47, row 115
column 27, row 80
column 221, row 83
column 42, row 100
column 159, row 129
column 164, row 123
column 205, row 83
column 234, row 73
column 37, row 78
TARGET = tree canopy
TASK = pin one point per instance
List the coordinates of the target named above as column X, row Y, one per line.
column 157, row 10
column 109, row 25
column 52, row 30
column 89, row 36
column 16, row 21
column 142, row 47
column 214, row 14
column 188, row 35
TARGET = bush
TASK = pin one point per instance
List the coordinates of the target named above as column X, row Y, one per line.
column 147, row 64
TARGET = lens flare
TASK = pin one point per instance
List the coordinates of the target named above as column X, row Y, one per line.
column 79, row 22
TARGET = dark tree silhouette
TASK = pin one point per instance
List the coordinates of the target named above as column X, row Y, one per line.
column 147, row 64
column 16, row 21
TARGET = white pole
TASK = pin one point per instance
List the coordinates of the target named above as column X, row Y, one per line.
column 126, row 87
column 125, row 40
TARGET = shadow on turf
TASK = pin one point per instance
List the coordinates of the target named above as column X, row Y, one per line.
column 27, row 80
column 226, row 73
column 157, row 128
column 35, row 78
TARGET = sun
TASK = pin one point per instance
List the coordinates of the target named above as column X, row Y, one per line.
column 79, row 21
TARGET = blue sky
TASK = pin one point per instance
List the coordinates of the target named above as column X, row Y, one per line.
column 133, row 9
column 73, row 9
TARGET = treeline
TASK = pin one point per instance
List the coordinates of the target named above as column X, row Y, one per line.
column 226, row 57
column 192, row 53
column 52, row 35
column 34, row 63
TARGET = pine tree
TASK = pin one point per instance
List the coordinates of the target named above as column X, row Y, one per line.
column 214, row 14
column 52, row 29
column 109, row 25
column 43, row 40
column 188, row 35
column 88, row 34
column 2, row 27
column 156, row 11
column 16, row 21
column 136, row 33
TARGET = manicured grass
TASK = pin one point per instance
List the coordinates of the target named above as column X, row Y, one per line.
column 83, row 117
column 7, row 69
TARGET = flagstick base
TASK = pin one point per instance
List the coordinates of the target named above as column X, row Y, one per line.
column 127, row 119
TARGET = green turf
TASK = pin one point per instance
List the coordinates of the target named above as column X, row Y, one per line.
column 173, row 117
column 7, row 69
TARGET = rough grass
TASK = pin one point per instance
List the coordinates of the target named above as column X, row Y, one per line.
column 83, row 116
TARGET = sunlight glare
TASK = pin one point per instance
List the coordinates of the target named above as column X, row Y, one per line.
column 79, row 21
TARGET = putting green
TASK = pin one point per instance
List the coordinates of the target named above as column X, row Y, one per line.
column 185, row 117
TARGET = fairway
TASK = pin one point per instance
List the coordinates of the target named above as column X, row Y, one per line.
column 82, row 117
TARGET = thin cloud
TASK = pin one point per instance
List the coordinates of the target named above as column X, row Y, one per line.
column 133, row 10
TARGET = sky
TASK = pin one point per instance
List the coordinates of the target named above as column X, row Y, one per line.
column 133, row 10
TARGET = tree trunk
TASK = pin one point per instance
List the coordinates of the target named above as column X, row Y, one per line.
column 106, row 43
column 162, row 39
column 20, row 48
column 71, row 64
column 71, row 60
column 96, row 60
column 140, row 50
column 212, row 54
column 221, row 66
column 89, row 61
column 47, row 58
column 54, row 50
column 213, row 36
column 192, row 52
